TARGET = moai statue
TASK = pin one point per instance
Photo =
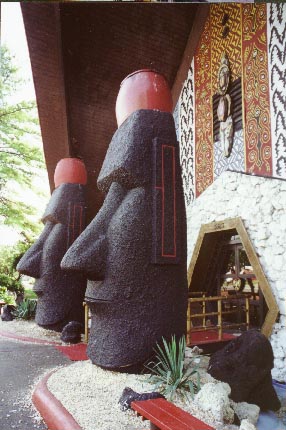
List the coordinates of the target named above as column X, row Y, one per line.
column 134, row 250
column 60, row 294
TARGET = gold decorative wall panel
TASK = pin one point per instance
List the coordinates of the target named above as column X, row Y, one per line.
column 256, row 90
column 203, row 112
column 231, row 44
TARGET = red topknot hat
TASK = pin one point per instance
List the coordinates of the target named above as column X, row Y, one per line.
column 143, row 89
column 70, row 171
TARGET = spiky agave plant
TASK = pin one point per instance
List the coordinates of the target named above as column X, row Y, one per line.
column 168, row 373
column 26, row 310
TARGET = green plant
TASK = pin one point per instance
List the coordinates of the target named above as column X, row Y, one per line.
column 168, row 372
column 10, row 278
column 6, row 297
column 26, row 310
column 29, row 294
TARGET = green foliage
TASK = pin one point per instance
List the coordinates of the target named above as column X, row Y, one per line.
column 20, row 154
column 9, row 257
column 26, row 310
column 5, row 297
column 168, row 372
column 29, row 294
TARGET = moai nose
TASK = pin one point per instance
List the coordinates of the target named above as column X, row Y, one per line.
column 30, row 262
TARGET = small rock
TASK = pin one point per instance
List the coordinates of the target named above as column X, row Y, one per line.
column 246, row 411
column 72, row 332
column 246, row 425
column 7, row 314
column 128, row 396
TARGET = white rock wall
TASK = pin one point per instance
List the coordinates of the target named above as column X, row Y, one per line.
column 261, row 203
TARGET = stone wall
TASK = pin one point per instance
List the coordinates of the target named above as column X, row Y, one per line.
column 261, row 204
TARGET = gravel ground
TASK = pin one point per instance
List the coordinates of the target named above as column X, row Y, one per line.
column 91, row 395
column 29, row 329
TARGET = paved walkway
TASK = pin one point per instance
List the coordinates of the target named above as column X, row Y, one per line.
column 21, row 364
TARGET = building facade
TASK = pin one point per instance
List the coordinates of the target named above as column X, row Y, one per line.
column 235, row 96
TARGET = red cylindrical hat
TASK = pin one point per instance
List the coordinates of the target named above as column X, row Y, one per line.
column 143, row 89
column 70, row 171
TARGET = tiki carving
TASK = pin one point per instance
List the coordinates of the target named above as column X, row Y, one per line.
column 224, row 107
column 134, row 250
column 60, row 294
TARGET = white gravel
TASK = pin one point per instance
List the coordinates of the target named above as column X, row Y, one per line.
column 29, row 329
column 91, row 395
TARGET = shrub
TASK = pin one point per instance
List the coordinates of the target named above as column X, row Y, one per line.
column 168, row 372
column 26, row 310
column 6, row 297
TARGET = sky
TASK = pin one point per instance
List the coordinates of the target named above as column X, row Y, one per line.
column 14, row 37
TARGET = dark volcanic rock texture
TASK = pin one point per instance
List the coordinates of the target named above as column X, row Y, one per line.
column 60, row 294
column 245, row 364
column 134, row 251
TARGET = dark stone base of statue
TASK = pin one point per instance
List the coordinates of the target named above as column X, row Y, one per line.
column 72, row 332
column 7, row 313
column 245, row 364
column 128, row 396
column 125, row 345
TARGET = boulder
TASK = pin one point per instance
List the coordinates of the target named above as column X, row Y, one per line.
column 245, row 364
column 72, row 332
column 213, row 398
column 7, row 313
column 128, row 396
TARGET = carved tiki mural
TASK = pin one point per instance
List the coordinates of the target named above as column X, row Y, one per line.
column 134, row 251
column 60, row 294
column 224, row 107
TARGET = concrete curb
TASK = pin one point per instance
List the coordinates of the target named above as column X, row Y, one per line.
column 28, row 339
column 52, row 411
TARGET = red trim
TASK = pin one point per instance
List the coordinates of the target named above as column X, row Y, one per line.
column 163, row 201
column 53, row 412
column 28, row 339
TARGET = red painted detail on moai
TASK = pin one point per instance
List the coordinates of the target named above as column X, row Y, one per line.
column 168, row 199
column 75, row 222
column 70, row 171
column 165, row 219
column 143, row 89
column 257, row 127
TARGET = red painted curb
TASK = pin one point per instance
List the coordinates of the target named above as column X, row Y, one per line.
column 52, row 411
column 28, row 339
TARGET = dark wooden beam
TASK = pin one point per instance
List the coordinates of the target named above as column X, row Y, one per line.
column 193, row 40
column 43, row 30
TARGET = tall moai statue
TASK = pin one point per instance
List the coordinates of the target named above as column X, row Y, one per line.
column 60, row 294
column 134, row 250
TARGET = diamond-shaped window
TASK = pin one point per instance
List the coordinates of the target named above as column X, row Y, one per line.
column 224, row 264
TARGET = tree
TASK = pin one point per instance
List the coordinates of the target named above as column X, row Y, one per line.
column 20, row 155
column 10, row 278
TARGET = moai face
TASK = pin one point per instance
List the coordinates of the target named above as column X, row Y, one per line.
column 134, row 251
column 60, row 294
